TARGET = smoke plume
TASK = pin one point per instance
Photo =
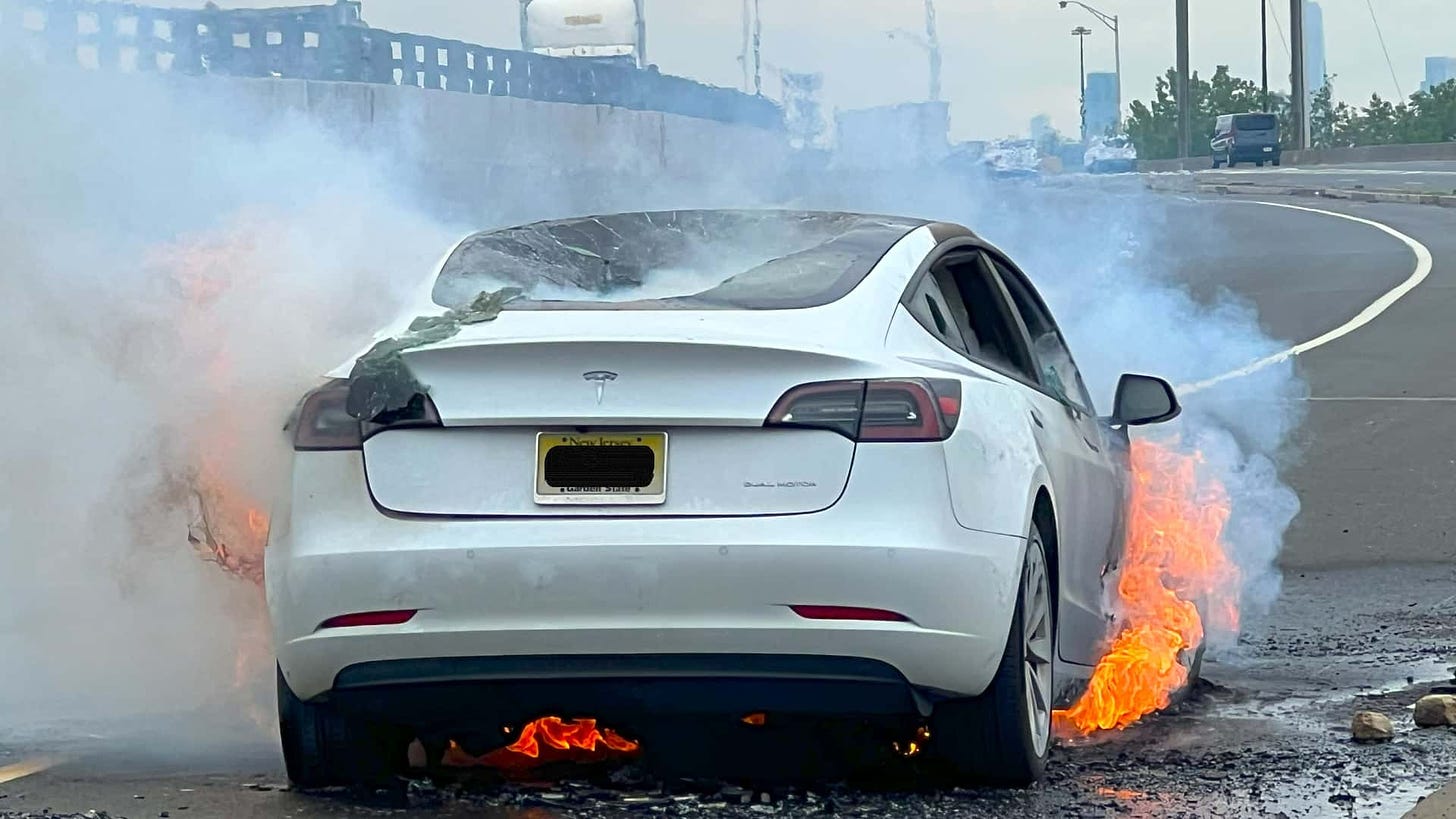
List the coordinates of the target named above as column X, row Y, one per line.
column 179, row 268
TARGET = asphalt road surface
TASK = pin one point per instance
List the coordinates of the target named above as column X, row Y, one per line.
column 1406, row 177
column 1365, row 619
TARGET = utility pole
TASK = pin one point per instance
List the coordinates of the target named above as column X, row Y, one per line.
column 1184, row 91
column 525, row 25
column 1081, row 33
column 932, row 36
column 1299, row 96
column 1264, row 48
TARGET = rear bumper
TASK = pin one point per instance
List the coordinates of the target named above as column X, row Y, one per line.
column 1253, row 153
column 508, row 604
column 484, row 693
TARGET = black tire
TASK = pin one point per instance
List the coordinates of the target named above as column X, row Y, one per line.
column 1259, row 164
column 1230, row 162
column 1216, row 163
column 1276, row 163
column 323, row 748
column 991, row 738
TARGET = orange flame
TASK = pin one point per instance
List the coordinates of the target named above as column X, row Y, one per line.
column 1173, row 561
column 229, row 527
column 576, row 741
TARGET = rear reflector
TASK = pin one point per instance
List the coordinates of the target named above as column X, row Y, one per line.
column 893, row 409
column 848, row 613
column 370, row 618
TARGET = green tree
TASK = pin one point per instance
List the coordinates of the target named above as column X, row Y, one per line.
column 1329, row 122
column 1431, row 115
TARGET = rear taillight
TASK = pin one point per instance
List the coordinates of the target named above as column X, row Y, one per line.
column 323, row 422
column 892, row 409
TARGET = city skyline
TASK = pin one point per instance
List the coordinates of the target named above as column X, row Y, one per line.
column 1005, row 61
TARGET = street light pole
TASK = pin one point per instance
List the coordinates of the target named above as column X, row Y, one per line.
column 1081, row 33
column 1109, row 20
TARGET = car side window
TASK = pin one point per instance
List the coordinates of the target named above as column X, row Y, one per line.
column 1058, row 371
column 931, row 307
column 989, row 318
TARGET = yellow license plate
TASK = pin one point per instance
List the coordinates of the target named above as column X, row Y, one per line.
column 618, row 468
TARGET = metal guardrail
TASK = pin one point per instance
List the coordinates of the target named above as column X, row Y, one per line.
column 331, row 42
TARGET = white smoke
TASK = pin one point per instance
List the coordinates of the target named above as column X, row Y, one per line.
column 178, row 269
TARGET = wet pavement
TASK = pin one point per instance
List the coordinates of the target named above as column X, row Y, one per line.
column 1267, row 734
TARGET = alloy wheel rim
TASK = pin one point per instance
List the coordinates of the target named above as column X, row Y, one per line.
column 1037, row 654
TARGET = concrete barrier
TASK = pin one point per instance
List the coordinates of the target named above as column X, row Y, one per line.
column 473, row 156
column 1425, row 152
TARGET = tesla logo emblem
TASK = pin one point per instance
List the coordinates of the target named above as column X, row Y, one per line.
column 601, row 378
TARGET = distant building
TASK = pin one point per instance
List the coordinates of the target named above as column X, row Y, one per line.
column 1315, row 69
column 1101, row 103
column 910, row 134
column 1041, row 127
column 1439, row 70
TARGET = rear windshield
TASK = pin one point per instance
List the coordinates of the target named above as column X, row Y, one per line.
column 1256, row 122
column 726, row 260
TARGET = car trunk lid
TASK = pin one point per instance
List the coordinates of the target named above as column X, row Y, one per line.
column 704, row 382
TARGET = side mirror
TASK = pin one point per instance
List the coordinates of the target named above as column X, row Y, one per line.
column 1144, row 399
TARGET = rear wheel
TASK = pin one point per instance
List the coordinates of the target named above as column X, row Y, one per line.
column 1003, row 736
column 323, row 747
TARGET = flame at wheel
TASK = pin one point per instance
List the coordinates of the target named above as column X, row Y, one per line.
column 1173, row 562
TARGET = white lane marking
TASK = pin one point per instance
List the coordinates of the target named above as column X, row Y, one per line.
column 20, row 770
column 1424, row 263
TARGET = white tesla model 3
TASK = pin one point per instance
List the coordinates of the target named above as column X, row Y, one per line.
column 729, row 461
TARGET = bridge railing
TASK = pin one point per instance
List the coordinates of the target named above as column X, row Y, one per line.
column 330, row 42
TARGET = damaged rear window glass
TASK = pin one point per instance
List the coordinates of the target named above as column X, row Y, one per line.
column 699, row 260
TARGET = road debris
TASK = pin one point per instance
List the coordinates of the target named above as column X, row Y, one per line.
column 381, row 382
column 1435, row 710
column 1372, row 726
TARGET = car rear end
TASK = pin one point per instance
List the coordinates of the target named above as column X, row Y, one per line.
column 619, row 511
column 1254, row 138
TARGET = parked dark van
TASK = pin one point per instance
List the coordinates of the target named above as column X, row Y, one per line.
column 1245, row 138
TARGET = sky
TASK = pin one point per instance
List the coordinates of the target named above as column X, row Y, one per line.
column 1005, row 60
